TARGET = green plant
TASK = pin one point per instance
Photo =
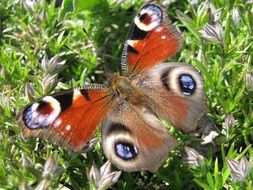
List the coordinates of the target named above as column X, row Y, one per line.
column 34, row 61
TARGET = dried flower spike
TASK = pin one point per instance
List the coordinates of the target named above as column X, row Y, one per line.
column 239, row 171
column 49, row 82
column 103, row 178
column 51, row 65
column 29, row 92
column 236, row 18
column 215, row 15
column 25, row 186
column 194, row 3
column 230, row 120
column 248, row 78
column 49, row 167
column 42, row 15
column 29, row 5
column 213, row 33
column 90, row 145
column 26, row 162
column 44, row 184
column 193, row 157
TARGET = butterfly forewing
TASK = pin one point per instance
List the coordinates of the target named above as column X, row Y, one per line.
column 68, row 118
column 151, row 40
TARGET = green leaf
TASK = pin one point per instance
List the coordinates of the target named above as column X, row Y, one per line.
column 203, row 185
column 210, row 180
column 85, row 4
column 67, row 6
column 217, row 176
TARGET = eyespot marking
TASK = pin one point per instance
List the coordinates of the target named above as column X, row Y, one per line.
column 164, row 79
column 126, row 151
column 187, row 84
column 145, row 18
column 151, row 11
column 115, row 127
column 149, row 17
column 41, row 113
column 42, row 105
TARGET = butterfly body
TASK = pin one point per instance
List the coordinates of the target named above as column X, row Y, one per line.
column 131, row 107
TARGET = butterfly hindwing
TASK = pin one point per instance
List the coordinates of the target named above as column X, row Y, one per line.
column 134, row 138
column 178, row 92
column 67, row 118
column 151, row 40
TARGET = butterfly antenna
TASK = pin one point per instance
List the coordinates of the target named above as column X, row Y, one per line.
column 91, row 40
column 76, row 53
column 98, row 53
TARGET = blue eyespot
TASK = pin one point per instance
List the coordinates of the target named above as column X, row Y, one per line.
column 187, row 84
column 28, row 117
column 125, row 151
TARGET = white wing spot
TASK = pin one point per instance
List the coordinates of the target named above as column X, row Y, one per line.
column 68, row 127
column 132, row 43
column 77, row 94
column 159, row 29
column 163, row 37
column 57, row 123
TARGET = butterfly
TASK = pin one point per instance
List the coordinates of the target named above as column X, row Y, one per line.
column 131, row 107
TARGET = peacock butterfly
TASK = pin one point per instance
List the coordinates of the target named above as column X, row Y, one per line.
column 130, row 109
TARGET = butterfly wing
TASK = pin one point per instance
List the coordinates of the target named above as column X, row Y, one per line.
column 134, row 139
column 178, row 92
column 151, row 40
column 67, row 118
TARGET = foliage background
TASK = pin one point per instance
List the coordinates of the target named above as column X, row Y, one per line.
column 222, row 51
